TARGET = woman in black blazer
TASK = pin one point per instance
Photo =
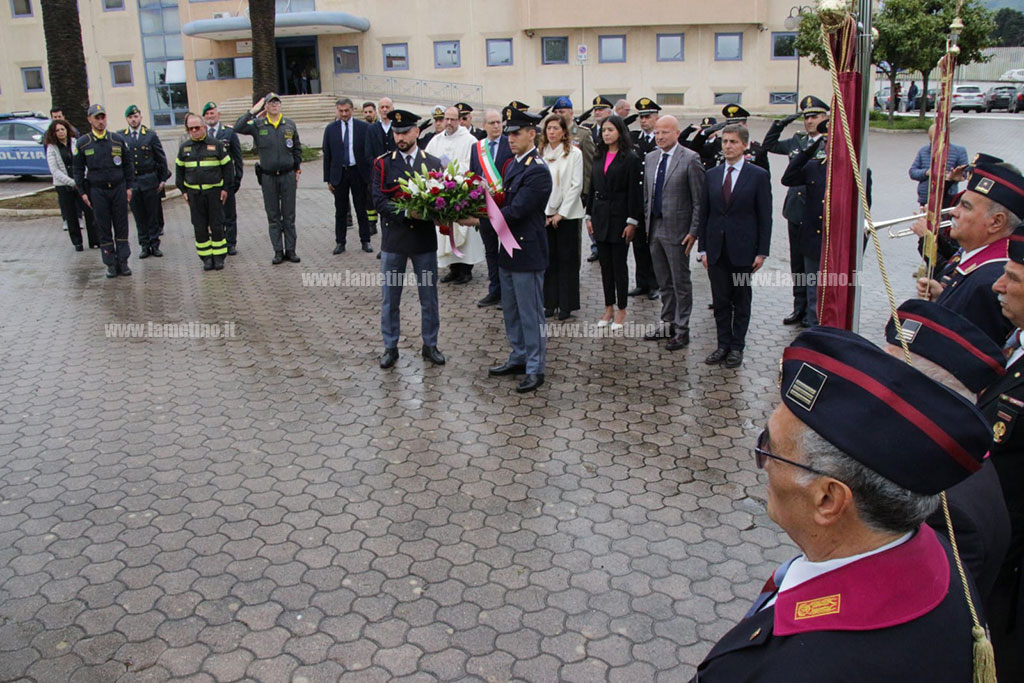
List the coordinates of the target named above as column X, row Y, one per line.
column 614, row 208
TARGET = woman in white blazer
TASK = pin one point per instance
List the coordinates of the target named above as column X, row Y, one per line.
column 60, row 151
column 564, row 214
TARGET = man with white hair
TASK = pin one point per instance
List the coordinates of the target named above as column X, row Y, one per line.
column 455, row 144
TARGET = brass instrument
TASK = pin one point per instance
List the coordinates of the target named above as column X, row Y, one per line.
column 907, row 232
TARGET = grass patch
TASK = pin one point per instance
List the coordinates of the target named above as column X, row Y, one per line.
column 881, row 120
column 47, row 199
column 308, row 153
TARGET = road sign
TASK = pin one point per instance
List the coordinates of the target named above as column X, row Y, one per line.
column 581, row 54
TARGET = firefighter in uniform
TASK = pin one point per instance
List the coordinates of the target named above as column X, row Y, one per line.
column 149, row 162
column 104, row 178
column 204, row 174
column 278, row 171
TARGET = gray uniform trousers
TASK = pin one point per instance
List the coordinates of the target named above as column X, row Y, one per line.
column 672, row 270
column 522, row 303
column 279, row 202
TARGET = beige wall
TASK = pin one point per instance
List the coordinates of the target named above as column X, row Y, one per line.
column 106, row 37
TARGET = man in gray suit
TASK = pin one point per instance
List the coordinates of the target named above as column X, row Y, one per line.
column 673, row 190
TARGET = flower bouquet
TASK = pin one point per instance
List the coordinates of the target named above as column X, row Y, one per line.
column 444, row 197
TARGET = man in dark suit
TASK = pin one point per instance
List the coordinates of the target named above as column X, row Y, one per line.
column 643, row 140
column 735, row 234
column 381, row 138
column 527, row 184
column 347, row 169
column 495, row 148
column 673, row 192
column 227, row 135
column 405, row 238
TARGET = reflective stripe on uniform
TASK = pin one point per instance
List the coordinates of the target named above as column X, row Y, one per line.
column 204, row 187
column 225, row 160
column 219, row 248
column 186, row 164
column 209, row 162
column 204, row 248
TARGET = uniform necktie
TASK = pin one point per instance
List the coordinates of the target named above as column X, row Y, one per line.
column 659, row 186
column 344, row 143
column 492, row 145
column 135, row 136
column 727, row 185
column 212, row 132
column 770, row 590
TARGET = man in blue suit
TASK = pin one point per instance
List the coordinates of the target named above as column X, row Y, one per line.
column 347, row 169
column 496, row 147
column 527, row 184
column 734, row 236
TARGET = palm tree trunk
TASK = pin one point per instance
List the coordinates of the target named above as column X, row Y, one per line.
column 264, row 51
column 65, row 60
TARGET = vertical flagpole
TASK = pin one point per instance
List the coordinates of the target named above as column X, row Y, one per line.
column 864, row 66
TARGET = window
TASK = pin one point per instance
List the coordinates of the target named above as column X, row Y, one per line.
column 446, row 54
column 109, row 5
column 549, row 100
column 669, row 98
column 670, row 47
column 728, row 47
column 728, row 97
column 611, row 48
column 499, row 52
column 32, row 77
column 783, row 46
column 24, row 133
column 614, row 97
column 121, row 74
column 346, row 59
column 21, row 8
column 289, row 6
column 223, row 69
column 782, row 98
column 554, row 50
column 396, row 57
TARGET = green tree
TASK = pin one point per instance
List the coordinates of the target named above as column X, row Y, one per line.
column 65, row 60
column 1009, row 28
column 264, row 50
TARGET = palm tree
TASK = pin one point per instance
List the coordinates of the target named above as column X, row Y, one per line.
column 65, row 60
column 264, row 51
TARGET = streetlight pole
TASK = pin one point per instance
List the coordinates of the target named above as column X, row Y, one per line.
column 796, row 15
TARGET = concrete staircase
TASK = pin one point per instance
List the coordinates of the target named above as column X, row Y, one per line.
column 299, row 108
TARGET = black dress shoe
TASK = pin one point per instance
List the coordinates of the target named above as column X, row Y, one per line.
column 805, row 323
column 218, row 262
column 637, row 291
column 653, row 295
column 339, row 249
column 489, row 300
column 111, row 271
column 125, row 270
column 734, row 359
column 564, row 315
column 367, row 248
column 463, row 279
column 663, row 332
column 450, row 276
column 591, row 258
column 79, row 247
column 155, row 251
column 144, row 252
column 292, row 256
column 716, row 356
column 549, row 313
column 506, row 369
column 388, row 358
column 530, row 383
column 278, row 257
column 432, row 354
column 794, row 317
column 207, row 263
column 378, row 256
column 232, row 251
column 680, row 341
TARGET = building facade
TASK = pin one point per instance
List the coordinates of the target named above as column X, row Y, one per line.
column 170, row 55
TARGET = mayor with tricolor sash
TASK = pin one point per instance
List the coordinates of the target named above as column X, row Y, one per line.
column 488, row 159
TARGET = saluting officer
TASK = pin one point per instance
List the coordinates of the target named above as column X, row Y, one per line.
column 105, row 179
column 204, row 173
column 647, row 111
column 277, row 140
column 404, row 239
column 227, row 135
column 150, row 165
column 813, row 111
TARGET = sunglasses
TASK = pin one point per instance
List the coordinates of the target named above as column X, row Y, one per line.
column 196, row 127
column 761, row 455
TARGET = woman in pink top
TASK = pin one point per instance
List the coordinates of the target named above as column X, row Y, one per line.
column 614, row 208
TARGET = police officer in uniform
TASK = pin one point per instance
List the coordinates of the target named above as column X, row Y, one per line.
column 149, row 162
column 204, row 173
column 277, row 139
column 709, row 145
column 437, row 120
column 601, row 109
column 466, row 121
column 527, row 184
column 876, row 594
column 647, row 111
column 404, row 239
column 104, row 177
column 813, row 111
column 227, row 135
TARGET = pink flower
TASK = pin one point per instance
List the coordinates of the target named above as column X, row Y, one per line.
column 440, row 203
column 449, row 185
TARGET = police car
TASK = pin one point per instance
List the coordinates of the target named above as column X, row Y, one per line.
column 21, row 144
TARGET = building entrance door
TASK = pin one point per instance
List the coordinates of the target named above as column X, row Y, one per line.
column 298, row 69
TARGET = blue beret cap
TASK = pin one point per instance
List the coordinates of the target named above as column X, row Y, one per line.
column 562, row 102
column 882, row 412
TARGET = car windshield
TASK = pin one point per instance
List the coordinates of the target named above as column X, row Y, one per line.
column 968, row 88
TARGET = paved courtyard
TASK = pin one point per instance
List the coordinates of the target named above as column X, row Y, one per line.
column 274, row 507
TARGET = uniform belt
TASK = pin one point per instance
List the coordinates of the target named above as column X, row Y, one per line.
column 278, row 173
column 105, row 186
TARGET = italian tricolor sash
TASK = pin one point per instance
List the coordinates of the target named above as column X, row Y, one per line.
column 491, row 173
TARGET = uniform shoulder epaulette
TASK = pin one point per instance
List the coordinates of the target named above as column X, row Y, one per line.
column 83, row 140
column 226, row 127
column 127, row 130
column 394, row 155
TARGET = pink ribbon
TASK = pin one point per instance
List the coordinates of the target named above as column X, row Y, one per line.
column 451, row 241
column 505, row 237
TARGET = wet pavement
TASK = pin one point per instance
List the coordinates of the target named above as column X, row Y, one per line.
column 270, row 505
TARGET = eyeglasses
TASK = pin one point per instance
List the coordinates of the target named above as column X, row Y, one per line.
column 196, row 127
column 761, row 455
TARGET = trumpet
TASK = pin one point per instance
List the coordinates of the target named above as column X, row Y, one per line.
column 907, row 232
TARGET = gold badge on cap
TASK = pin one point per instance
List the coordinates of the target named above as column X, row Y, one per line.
column 398, row 117
column 644, row 102
column 807, row 101
column 806, row 386
column 998, row 431
column 984, row 185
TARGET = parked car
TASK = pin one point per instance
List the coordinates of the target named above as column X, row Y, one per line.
column 999, row 97
column 1017, row 105
column 967, row 97
column 930, row 100
column 1016, row 75
column 21, row 144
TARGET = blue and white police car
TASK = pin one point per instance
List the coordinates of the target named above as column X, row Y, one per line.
column 21, row 144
